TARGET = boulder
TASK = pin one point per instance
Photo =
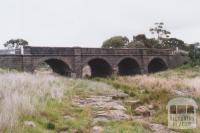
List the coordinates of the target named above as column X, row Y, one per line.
column 120, row 96
column 133, row 103
column 68, row 117
column 142, row 110
column 29, row 124
column 97, row 129
column 150, row 107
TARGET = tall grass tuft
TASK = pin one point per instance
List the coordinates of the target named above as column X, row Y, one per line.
column 23, row 94
column 20, row 93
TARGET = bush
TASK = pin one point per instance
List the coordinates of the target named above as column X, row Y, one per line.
column 50, row 126
column 194, row 55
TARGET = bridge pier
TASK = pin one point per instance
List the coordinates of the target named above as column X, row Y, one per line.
column 115, row 70
column 27, row 64
column 144, row 70
column 77, row 63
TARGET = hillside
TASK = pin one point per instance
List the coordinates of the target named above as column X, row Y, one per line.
column 48, row 103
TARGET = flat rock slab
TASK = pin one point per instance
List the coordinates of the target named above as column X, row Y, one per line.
column 112, row 115
column 99, row 102
column 158, row 128
column 106, row 107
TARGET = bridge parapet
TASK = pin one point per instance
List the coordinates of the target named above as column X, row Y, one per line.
column 48, row 50
column 100, row 51
column 94, row 51
column 10, row 52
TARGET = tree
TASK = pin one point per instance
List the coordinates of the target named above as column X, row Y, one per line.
column 116, row 42
column 161, row 40
column 141, row 37
column 141, row 41
column 173, row 43
column 159, row 32
column 194, row 53
column 162, row 36
column 136, row 44
column 15, row 43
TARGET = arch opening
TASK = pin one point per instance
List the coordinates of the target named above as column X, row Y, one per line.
column 99, row 68
column 56, row 66
column 128, row 67
column 157, row 65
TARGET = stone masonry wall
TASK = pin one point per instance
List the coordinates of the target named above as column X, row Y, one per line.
column 77, row 57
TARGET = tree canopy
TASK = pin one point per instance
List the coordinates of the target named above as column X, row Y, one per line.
column 15, row 43
column 159, row 32
column 173, row 43
column 161, row 39
column 116, row 42
column 141, row 41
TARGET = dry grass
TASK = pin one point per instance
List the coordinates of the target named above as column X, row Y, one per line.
column 20, row 93
column 181, row 79
column 152, row 83
column 24, row 94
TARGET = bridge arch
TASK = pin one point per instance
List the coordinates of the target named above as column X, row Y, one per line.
column 57, row 65
column 128, row 66
column 156, row 65
column 99, row 67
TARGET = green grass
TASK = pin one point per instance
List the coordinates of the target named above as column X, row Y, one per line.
column 183, row 71
column 53, row 115
column 81, row 121
column 125, row 127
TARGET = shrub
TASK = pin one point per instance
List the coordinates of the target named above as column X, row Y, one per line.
column 50, row 126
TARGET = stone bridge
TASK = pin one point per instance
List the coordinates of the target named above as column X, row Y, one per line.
column 71, row 61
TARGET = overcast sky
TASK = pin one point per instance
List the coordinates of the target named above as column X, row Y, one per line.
column 88, row 23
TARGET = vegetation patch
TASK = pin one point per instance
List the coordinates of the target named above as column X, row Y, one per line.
column 45, row 102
